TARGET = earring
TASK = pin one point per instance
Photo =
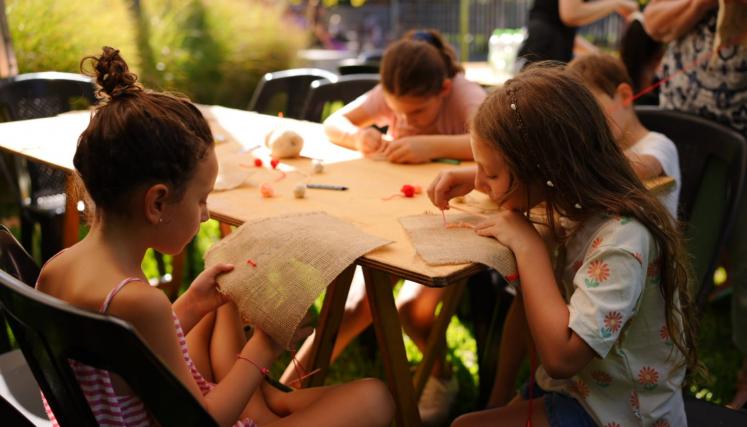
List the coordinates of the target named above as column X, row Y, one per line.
column 160, row 220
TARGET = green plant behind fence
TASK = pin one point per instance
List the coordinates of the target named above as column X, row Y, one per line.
column 51, row 35
column 213, row 51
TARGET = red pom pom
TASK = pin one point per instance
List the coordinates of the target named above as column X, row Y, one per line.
column 258, row 163
column 274, row 163
column 408, row 190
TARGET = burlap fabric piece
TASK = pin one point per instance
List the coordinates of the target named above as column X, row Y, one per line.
column 438, row 245
column 296, row 257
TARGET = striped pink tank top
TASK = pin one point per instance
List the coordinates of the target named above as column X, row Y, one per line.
column 110, row 409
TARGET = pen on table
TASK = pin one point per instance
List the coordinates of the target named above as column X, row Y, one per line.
column 327, row 187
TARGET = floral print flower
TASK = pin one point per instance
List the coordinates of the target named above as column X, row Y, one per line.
column 596, row 242
column 648, row 377
column 598, row 272
column 664, row 335
column 634, row 403
column 601, row 378
column 613, row 321
column 580, row 388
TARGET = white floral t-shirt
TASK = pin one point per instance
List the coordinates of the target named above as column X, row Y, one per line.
column 611, row 286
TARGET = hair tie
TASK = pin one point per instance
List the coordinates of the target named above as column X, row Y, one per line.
column 427, row 37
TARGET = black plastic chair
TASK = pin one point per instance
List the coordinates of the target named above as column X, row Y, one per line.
column 285, row 91
column 33, row 96
column 51, row 332
column 18, row 263
column 713, row 160
column 344, row 90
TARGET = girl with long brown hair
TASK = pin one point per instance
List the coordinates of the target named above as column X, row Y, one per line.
column 608, row 308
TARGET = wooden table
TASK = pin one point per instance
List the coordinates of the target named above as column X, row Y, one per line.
column 52, row 141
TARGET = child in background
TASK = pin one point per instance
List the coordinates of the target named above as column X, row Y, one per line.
column 160, row 204
column 651, row 154
column 611, row 318
column 424, row 100
column 426, row 103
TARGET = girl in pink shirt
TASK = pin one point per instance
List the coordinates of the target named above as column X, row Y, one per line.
column 148, row 163
column 423, row 99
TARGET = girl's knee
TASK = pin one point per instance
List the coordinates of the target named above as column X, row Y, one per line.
column 376, row 400
column 466, row 420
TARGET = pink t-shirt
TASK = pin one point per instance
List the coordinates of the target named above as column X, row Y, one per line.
column 456, row 111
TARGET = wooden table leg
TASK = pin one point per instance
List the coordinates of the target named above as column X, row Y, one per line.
column 71, row 220
column 437, row 338
column 329, row 324
column 392, row 347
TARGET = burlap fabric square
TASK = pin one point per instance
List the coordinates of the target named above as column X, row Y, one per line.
column 438, row 245
column 282, row 264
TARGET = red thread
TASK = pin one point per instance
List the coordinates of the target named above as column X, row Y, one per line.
column 281, row 177
column 301, row 372
column 274, row 163
column 251, row 262
column 512, row 277
column 258, row 162
column 391, row 197
column 532, row 368
column 264, row 371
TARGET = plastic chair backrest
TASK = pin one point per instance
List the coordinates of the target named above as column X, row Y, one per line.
column 18, row 263
column 51, row 332
column 285, row 91
column 345, row 89
column 39, row 95
column 713, row 159
column 359, row 68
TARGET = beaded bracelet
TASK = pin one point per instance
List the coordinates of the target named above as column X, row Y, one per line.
column 264, row 371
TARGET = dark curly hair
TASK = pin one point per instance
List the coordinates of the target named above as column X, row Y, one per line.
column 136, row 137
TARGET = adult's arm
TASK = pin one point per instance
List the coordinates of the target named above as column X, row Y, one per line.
column 577, row 13
column 667, row 20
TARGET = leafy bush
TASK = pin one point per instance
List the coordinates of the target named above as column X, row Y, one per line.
column 216, row 51
column 55, row 35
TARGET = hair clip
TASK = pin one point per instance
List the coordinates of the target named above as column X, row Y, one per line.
column 513, row 106
column 425, row 36
column 549, row 183
column 577, row 206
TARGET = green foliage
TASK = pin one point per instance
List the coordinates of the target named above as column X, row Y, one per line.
column 55, row 35
column 215, row 52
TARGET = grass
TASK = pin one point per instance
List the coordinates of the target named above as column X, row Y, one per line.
column 361, row 358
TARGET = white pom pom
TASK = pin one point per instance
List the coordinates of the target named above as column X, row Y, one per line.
column 284, row 143
column 299, row 192
column 317, row 165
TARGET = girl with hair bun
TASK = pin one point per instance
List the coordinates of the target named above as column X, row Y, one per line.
column 148, row 163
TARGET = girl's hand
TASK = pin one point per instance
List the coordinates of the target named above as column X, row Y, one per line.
column 368, row 140
column 513, row 230
column 204, row 295
column 409, row 149
column 451, row 183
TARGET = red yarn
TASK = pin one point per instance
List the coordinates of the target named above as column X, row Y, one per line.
column 408, row 190
column 274, row 163
column 258, row 162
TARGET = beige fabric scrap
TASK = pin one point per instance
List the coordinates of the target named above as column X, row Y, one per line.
column 438, row 245
column 731, row 24
column 296, row 257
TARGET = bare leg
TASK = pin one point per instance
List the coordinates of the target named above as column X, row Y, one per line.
column 365, row 403
column 198, row 345
column 512, row 415
column 417, row 306
column 512, row 351
column 227, row 340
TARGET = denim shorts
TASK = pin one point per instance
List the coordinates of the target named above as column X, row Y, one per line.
column 562, row 410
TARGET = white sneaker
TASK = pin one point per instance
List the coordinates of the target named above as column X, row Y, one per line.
column 435, row 402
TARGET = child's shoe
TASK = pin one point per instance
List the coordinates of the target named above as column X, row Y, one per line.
column 436, row 400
